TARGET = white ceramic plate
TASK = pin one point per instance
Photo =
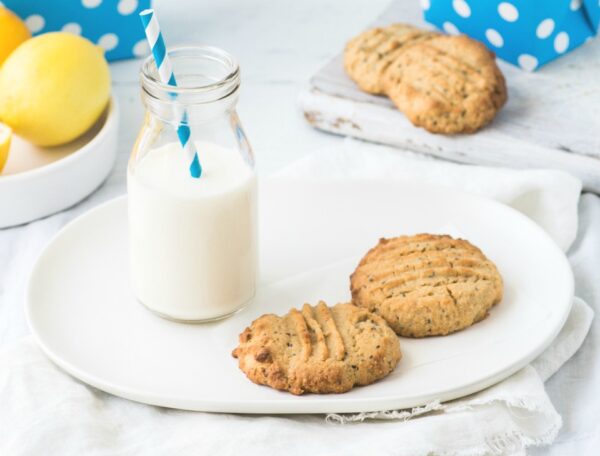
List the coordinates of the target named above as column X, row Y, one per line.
column 39, row 181
column 83, row 314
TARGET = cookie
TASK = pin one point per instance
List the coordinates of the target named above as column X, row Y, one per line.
column 447, row 84
column 426, row 285
column 318, row 349
column 368, row 55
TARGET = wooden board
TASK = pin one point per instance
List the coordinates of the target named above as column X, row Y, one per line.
column 552, row 118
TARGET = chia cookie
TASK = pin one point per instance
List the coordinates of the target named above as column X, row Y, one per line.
column 318, row 349
column 426, row 285
column 368, row 55
column 447, row 84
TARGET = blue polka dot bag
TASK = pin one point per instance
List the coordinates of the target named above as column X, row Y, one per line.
column 527, row 33
column 112, row 24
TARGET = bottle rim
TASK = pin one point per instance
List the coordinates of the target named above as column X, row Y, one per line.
column 200, row 93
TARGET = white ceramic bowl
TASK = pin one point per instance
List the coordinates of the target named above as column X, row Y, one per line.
column 37, row 182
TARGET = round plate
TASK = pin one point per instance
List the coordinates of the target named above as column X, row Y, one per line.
column 45, row 180
column 83, row 314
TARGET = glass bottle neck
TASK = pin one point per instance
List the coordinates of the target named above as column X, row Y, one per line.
column 208, row 81
column 176, row 110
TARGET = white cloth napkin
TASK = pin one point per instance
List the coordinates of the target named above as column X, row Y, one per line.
column 45, row 411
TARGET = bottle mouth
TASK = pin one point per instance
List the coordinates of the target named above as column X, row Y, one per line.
column 203, row 73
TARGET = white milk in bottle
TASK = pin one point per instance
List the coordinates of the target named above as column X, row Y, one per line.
column 193, row 241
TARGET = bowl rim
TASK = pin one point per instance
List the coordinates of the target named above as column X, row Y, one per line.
column 109, row 123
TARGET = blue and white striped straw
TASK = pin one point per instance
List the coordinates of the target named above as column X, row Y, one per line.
column 165, row 72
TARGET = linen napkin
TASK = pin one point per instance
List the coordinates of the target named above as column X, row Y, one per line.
column 45, row 411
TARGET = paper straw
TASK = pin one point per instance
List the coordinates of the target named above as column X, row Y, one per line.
column 165, row 72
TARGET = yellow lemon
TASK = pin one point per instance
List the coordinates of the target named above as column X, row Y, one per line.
column 53, row 88
column 5, row 135
column 13, row 32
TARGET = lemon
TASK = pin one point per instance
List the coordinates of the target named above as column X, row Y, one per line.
column 5, row 136
column 13, row 32
column 53, row 88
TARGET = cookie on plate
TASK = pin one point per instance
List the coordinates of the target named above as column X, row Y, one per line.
column 368, row 55
column 426, row 285
column 447, row 84
column 318, row 349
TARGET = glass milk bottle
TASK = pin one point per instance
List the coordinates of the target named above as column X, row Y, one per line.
column 193, row 249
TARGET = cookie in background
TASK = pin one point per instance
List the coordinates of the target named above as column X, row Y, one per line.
column 445, row 84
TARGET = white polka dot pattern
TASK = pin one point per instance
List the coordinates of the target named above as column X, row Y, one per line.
column 450, row 28
column 141, row 48
column 108, row 41
column 35, row 23
column 528, row 62
column 527, row 33
column 462, row 8
column 91, row 3
column 561, row 42
column 72, row 27
column 494, row 37
column 508, row 12
column 111, row 24
column 544, row 29
column 126, row 7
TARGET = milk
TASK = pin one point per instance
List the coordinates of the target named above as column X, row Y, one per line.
column 192, row 241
